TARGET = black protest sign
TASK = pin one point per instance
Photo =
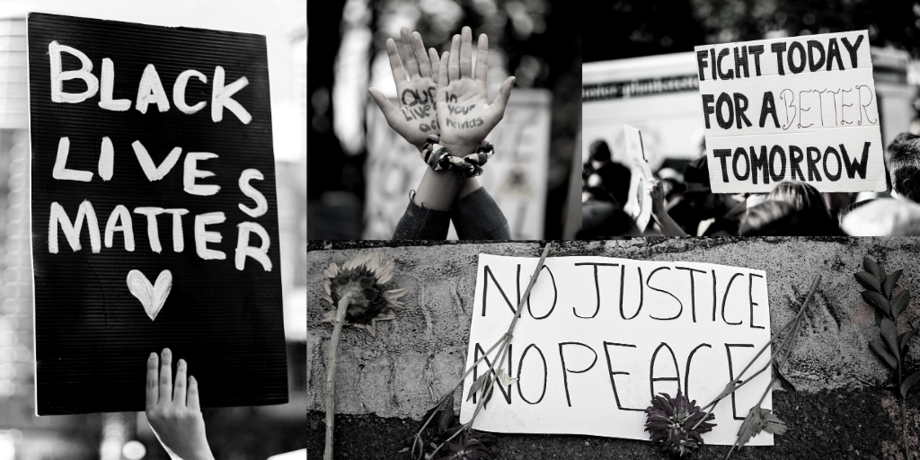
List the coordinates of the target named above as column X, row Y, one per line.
column 154, row 214
column 792, row 109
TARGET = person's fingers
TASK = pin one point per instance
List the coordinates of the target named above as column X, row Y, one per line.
column 398, row 73
column 466, row 53
column 453, row 65
column 193, row 394
column 498, row 107
column 389, row 112
column 442, row 72
column 166, row 376
column 435, row 63
column 424, row 66
column 411, row 62
column 482, row 59
column 179, row 392
column 153, row 364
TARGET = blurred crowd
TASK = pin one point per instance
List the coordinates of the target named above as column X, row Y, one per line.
column 683, row 203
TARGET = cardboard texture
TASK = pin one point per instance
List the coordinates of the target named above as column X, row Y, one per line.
column 596, row 343
column 639, row 204
column 792, row 109
column 135, row 248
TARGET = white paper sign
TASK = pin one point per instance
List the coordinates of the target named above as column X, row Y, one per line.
column 515, row 176
column 792, row 109
column 601, row 335
column 639, row 204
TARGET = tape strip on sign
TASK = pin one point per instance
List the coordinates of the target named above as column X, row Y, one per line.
column 777, row 98
column 601, row 335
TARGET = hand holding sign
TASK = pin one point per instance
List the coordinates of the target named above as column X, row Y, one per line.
column 468, row 118
column 175, row 416
column 417, row 116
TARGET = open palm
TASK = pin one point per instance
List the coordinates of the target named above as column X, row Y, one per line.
column 417, row 116
column 464, row 114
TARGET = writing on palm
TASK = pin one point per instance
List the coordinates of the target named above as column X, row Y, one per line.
column 464, row 112
column 419, row 107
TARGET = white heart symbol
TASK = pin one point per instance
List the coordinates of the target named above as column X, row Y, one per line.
column 151, row 297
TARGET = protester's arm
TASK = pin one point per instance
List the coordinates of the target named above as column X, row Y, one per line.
column 175, row 416
column 476, row 216
column 660, row 214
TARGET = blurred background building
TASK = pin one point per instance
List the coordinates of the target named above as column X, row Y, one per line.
column 361, row 170
column 640, row 68
column 234, row 433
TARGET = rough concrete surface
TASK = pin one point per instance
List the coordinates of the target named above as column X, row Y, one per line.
column 417, row 357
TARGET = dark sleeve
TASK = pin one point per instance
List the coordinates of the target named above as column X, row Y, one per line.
column 420, row 223
column 477, row 217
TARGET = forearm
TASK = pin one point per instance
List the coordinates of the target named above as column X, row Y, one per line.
column 477, row 217
column 667, row 224
column 467, row 186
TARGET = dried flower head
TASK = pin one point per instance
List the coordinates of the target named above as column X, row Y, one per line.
column 362, row 278
column 670, row 422
column 468, row 447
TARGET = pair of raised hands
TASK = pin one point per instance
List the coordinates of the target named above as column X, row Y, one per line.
column 443, row 96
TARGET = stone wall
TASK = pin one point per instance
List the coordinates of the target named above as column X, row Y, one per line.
column 418, row 356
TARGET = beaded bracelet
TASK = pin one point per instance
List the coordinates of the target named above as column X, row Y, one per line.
column 439, row 157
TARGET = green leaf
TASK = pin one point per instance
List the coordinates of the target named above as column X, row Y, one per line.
column 477, row 384
column 878, row 317
column 869, row 281
column 899, row 303
column 879, row 349
column 485, row 390
column 890, row 336
column 782, row 379
column 909, row 382
column 750, row 427
column 904, row 338
column 729, row 388
column 772, row 423
column 873, row 268
column 446, row 417
column 877, row 300
column 891, row 282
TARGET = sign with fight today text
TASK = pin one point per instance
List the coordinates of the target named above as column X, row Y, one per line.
column 154, row 213
column 793, row 109
column 600, row 336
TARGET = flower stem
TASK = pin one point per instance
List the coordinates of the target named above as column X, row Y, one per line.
column 783, row 351
column 330, row 373
column 505, row 341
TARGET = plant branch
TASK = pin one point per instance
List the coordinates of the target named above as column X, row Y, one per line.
column 505, row 341
column 330, row 372
column 783, row 351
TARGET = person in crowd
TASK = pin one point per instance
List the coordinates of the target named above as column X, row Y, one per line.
column 884, row 217
column 174, row 412
column 805, row 198
column 720, row 214
column 453, row 149
column 782, row 218
column 903, row 160
column 852, row 207
column 603, row 219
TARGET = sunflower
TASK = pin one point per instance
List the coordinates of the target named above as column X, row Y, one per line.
column 670, row 423
column 362, row 278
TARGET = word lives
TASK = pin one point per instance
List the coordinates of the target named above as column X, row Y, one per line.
column 420, row 106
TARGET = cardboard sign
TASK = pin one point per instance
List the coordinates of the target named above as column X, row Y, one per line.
column 154, row 214
column 515, row 176
column 639, row 205
column 602, row 335
column 793, row 109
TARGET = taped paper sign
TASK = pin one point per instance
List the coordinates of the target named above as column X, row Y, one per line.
column 639, row 205
column 154, row 213
column 601, row 335
column 792, row 109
